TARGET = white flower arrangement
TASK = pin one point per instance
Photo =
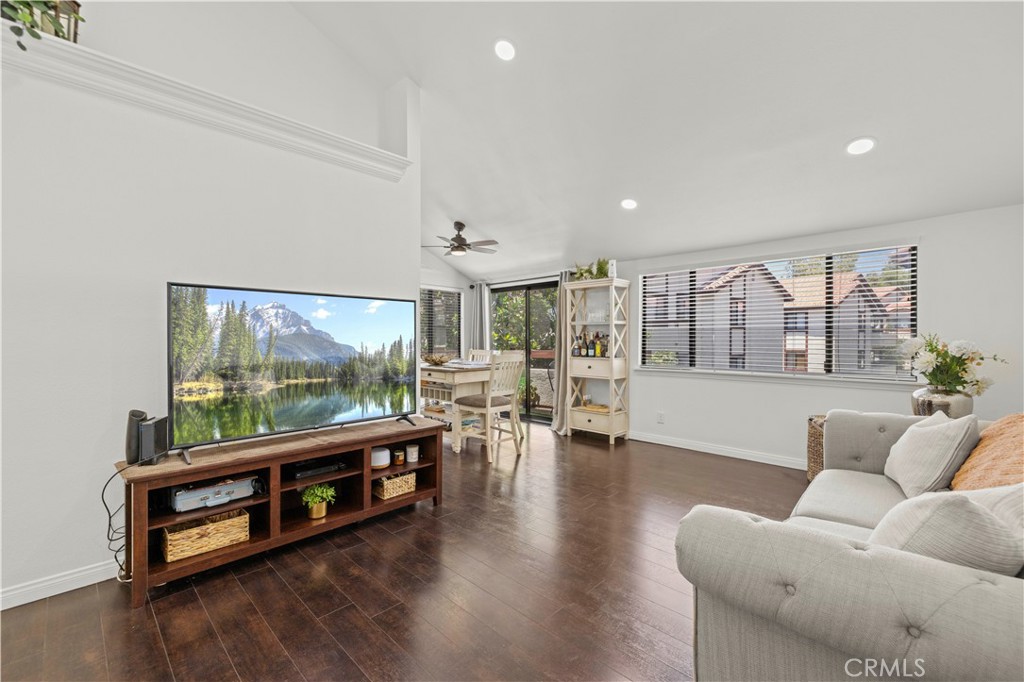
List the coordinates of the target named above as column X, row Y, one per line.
column 950, row 367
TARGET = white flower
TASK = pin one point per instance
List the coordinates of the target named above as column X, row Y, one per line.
column 968, row 373
column 925, row 362
column 963, row 348
column 981, row 385
column 910, row 347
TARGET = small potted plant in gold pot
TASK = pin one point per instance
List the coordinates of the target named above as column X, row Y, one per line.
column 316, row 498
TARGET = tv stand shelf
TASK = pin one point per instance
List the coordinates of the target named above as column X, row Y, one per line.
column 163, row 520
column 277, row 516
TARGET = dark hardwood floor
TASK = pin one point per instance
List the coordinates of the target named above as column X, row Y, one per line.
column 555, row 565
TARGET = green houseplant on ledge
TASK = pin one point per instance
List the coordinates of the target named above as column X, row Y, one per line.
column 316, row 498
column 58, row 18
column 598, row 270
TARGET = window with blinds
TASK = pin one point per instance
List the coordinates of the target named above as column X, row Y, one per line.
column 440, row 321
column 839, row 314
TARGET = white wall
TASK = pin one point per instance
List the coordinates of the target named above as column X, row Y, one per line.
column 102, row 205
column 435, row 272
column 267, row 54
column 970, row 286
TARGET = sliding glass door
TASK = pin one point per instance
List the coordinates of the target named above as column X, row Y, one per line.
column 525, row 318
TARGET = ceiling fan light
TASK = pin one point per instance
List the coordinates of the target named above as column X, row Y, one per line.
column 458, row 250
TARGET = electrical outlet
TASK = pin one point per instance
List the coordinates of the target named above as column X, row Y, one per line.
column 661, row 417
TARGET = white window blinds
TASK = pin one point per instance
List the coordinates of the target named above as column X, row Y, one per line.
column 440, row 321
column 840, row 313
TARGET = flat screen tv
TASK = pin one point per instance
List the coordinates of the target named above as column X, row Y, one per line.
column 252, row 362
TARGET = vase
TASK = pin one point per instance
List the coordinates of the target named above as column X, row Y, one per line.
column 930, row 399
column 318, row 510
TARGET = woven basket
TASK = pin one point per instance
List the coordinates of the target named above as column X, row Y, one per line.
column 204, row 535
column 815, row 445
column 386, row 488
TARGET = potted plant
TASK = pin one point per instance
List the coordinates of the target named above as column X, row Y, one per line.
column 950, row 370
column 316, row 497
column 598, row 270
column 58, row 18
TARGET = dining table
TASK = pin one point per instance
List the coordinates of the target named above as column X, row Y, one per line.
column 462, row 378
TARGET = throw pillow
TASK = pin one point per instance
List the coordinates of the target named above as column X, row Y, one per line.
column 952, row 527
column 1005, row 502
column 998, row 459
column 928, row 454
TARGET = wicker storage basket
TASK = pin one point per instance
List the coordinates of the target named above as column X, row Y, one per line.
column 815, row 445
column 386, row 488
column 206, row 534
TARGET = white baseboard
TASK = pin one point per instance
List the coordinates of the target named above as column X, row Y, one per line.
column 738, row 453
column 49, row 586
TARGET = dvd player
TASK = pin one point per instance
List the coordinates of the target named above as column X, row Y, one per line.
column 317, row 470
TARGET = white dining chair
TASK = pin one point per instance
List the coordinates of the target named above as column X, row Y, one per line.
column 480, row 355
column 501, row 396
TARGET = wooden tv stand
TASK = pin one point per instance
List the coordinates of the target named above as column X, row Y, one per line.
column 276, row 517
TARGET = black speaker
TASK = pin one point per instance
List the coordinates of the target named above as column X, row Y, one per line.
column 152, row 440
column 131, row 441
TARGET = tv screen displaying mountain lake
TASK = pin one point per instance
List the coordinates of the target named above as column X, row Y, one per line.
column 248, row 362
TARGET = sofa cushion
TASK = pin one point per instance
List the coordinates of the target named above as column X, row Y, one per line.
column 851, row 497
column 954, row 527
column 842, row 529
column 861, row 441
column 927, row 455
column 997, row 460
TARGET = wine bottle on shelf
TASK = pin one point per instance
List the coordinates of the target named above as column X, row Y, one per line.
column 597, row 345
column 590, row 347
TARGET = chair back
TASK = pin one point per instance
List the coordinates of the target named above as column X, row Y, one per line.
column 506, row 369
column 480, row 355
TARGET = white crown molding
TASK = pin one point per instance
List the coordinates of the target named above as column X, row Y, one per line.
column 79, row 67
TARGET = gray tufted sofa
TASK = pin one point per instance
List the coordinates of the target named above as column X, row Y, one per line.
column 809, row 599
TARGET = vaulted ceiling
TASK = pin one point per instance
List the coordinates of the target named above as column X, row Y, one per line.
column 726, row 122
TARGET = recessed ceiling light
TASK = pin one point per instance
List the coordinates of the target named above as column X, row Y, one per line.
column 628, row 204
column 862, row 145
column 505, row 50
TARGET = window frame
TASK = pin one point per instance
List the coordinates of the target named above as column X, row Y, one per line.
column 905, row 321
column 426, row 335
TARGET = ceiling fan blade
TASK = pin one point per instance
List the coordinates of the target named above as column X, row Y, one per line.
column 480, row 249
column 444, row 239
column 448, row 252
column 484, row 242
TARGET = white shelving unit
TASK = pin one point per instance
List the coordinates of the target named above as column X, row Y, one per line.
column 598, row 305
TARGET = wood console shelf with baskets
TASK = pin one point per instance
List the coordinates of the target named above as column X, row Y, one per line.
column 163, row 545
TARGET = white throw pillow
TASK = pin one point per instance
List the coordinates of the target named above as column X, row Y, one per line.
column 1006, row 502
column 952, row 527
column 928, row 454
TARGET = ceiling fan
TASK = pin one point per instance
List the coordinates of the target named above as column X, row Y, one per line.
column 458, row 246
